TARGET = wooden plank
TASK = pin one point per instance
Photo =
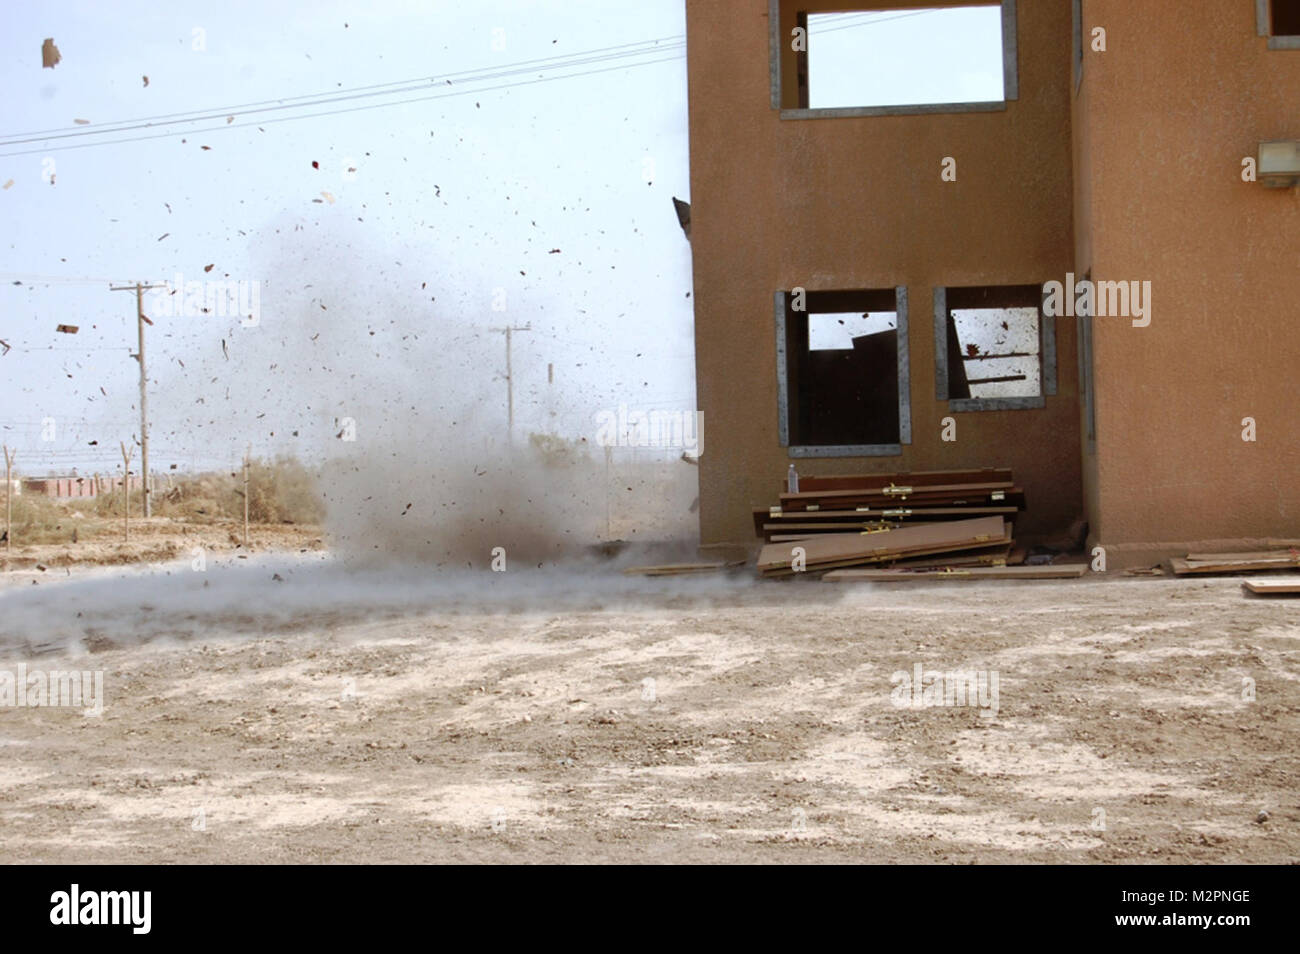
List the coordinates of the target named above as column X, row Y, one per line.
column 1286, row 586
column 876, row 513
column 1066, row 571
column 895, row 492
column 918, row 478
column 763, row 517
column 1183, row 567
column 1290, row 554
column 678, row 569
column 880, row 562
column 1009, row 497
column 997, row 556
column 909, row 540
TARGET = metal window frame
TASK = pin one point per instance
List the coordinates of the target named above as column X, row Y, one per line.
column 1046, row 361
column 904, row 390
column 1086, row 377
column 1010, row 76
column 1263, row 28
column 1076, row 17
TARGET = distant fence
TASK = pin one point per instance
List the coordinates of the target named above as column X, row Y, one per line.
column 74, row 486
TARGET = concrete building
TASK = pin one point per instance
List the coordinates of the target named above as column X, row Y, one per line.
column 872, row 283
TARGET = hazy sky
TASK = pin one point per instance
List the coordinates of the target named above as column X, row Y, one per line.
column 459, row 198
column 386, row 237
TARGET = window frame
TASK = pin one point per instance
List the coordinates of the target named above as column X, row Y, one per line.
column 780, row 306
column 1264, row 26
column 1010, row 74
column 1046, row 361
column 1076, row 18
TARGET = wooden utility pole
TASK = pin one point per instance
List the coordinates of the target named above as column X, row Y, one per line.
column 9, row 499
column 140, row 322
column 126, row 490
column 248, row 453
column 510, row 388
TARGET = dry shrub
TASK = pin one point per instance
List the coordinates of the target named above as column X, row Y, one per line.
column 41, row 519
column 279, row 491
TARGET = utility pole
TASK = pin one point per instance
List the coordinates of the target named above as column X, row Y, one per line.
column 510, row 382
column 9, row 499
column 140, row 322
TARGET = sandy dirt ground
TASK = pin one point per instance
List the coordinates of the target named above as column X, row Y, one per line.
column 155, row 539
column 301, row 711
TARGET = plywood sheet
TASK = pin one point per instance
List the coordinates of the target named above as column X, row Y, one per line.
column 1286, row 586
column 863, row 547
column 1068, row 571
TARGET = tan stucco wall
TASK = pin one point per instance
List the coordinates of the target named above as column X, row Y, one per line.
column 1182, row 94
column 858, row 203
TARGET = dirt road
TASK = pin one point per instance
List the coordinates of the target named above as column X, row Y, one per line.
column 395, row 715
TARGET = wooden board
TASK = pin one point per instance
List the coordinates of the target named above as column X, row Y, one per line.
column 1067, row 571
column 865, row 547
column 678, row 569
column 918, row 478
column 878, row 562
column 1285, row 586
column 917, row 499
column 996, row 556
column 899, row 492
column 860, row 515
column 1293, row 555
column 1187, row 567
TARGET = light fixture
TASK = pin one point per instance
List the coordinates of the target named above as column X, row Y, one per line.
column 1279, row 163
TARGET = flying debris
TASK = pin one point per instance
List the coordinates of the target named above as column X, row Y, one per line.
column 68, row 329
column 50, row 56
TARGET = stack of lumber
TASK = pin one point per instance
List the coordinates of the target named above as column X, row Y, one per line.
column 1202, row 563
column 907, row 521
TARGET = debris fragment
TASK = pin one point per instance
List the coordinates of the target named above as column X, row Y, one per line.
column 68, row 329
column 328, row 198
column 82, row 122
column 146, row 81
column 9, row 183
column 50, row 55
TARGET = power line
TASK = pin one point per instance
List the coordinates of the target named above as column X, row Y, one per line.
column 354, row 109
column 900, row 16
column 492, row 72
column 320, row 100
